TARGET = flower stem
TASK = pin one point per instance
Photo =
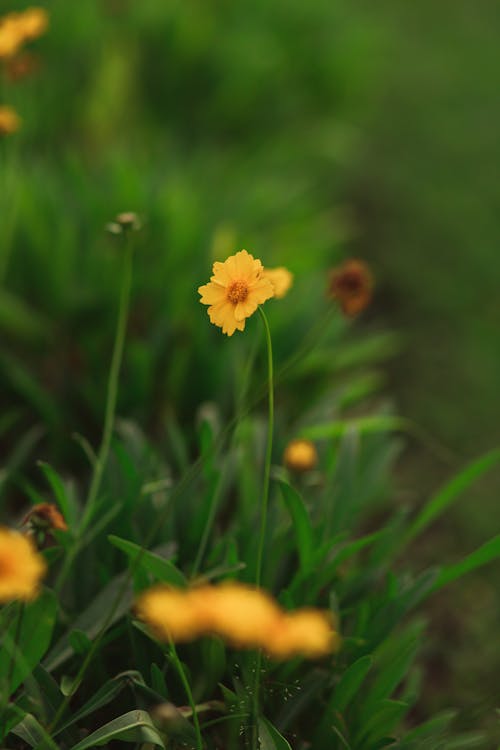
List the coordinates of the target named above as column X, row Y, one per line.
column 269, row 449
column 263, row 511
column 12, row 663
column 109, row 417
column 114, row 374
column 185, row 683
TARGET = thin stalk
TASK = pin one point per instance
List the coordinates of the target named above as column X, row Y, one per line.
column 12, row 662
column 114, row 374
column 269, row 448
column 110, row 410
column 263, row 512
column 185, row 683
column 214, row 502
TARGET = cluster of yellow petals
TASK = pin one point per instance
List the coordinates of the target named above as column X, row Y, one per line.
column 243, row 616
column 9, row 121
column 21, row 567
column 280, row 278
column 237, row 287
column 18, row 28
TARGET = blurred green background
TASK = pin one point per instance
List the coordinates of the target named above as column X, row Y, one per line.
column 306, row 132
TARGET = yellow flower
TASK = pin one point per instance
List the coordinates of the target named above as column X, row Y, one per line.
column 9, row 121
column 33, row 23
column 21, row 567
column 244, row 616
column 10, row 38
column 18, row 28
column 236, row 289
column 300, row 455
column 171, row 613
column 280, row 278
column 240, row 614
column 307, row 632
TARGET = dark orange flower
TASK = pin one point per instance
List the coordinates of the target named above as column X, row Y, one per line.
column 352, row 285
column 45, row 517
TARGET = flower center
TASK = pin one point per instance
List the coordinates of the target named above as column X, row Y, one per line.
column 237, row 292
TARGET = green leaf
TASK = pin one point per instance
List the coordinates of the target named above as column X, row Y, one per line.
column 79, row 642
column 350, row 682
column 92, row 619
column 301, row 524
column 134, row 726
column 102, row 697
column 270, row 738
column 66, row 503
column 30, row 731
column 35, row 631
column 386, row 714
column 485, row 554
column 362, row 425
column 163, row 570
column 451, row 491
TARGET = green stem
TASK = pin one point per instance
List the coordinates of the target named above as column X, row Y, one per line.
column 263, row 512
column 269, row 450
column 114, row 374
column 12, row 662
column 109, row 417
column 185, row 683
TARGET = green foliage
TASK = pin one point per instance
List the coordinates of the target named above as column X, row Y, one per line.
column 227, row 131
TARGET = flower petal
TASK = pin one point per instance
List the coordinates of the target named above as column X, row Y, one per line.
column 211, row 293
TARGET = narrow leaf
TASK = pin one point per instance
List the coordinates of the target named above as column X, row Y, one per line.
column 270, row 738
column 134, row 726
column 301, row 523
column 163, row 570
column 485, row 554
column 350, row 682
column 36, row 624
column 451, row 491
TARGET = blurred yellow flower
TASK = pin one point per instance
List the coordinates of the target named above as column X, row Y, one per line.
column 9, row 121
column 300, row 455
column 236, row 289
column 280, row 278
column 240, row 614
column 307, row 632
column 244, row 616
column 171, row 613
column 21, row 567
column 18, row 28
column 33, row 23
column 10, row 38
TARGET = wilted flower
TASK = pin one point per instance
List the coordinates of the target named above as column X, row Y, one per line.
column 21, row 567
column 244, row 616
column 300, row 455
column 21, row 66
column 9, row 121
column 280, row 278
column 238, row 286
column 45, row 517
column 352, row 285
